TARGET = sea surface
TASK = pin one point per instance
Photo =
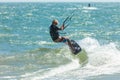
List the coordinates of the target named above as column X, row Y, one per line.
column 28, row 53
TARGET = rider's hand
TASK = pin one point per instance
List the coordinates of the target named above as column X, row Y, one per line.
column 62, row 27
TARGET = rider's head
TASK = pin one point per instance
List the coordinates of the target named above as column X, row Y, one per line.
column 55, row 22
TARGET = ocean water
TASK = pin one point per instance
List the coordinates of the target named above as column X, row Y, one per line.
column 28, row 53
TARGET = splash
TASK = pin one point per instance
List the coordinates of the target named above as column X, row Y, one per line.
column 53, row 71
column 90, row 8
column 103, row 59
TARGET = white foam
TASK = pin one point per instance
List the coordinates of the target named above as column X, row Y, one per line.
column 103, row 59
column 89, row 44
column 8, row 35
column 54, row 71
column 44, row 42
column 59, row 70
column 90, row 8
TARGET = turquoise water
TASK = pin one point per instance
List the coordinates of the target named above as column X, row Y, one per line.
column 28, row 53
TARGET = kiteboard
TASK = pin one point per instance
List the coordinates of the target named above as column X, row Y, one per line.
column 75, row 48
column 78, row 52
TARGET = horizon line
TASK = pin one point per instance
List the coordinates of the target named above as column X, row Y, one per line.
column 56, row 1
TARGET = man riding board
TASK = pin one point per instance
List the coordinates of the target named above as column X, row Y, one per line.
column 55, row 34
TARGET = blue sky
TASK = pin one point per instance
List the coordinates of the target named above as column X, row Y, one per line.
column 59, row 0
